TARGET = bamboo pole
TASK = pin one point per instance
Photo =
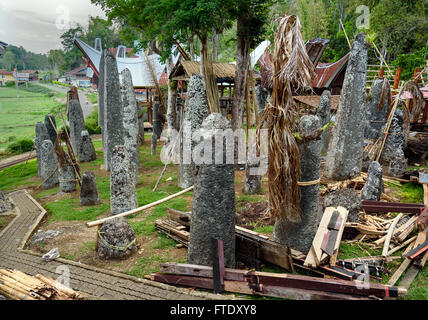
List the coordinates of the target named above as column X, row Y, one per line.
column 147, row 206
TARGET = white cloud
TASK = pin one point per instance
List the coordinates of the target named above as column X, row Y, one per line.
column 32, row 24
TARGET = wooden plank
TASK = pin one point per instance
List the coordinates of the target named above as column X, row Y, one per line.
column 389, row 235
column 243, row 288
column 422, row 220
column 408, row 224
column 397, row 274
column 313, row 258
column 290, row 281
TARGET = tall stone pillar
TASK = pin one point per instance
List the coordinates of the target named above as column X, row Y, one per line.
column 130, row 122
column 196, row 109
column 113, row 109
column 300, row 235
column 116, row 238
column 324, row 113
column 41, row 135
column 77, row 123
column 213, row 207
column 50, row 124
column 48, row 165
column 345, row 154
column 157, row 126
column 377, row 110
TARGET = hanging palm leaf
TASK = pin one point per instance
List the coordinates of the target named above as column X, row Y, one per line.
column 293, row 70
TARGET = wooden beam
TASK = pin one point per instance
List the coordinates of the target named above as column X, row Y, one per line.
column 134, row 211
column 290, row 281
column 389, row 235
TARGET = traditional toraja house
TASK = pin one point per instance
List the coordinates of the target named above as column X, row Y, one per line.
column 142, row 72
column 32, row 74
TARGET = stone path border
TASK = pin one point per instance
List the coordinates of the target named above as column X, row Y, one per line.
column 92, row 282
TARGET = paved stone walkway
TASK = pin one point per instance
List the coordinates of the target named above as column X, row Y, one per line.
column 92, row 282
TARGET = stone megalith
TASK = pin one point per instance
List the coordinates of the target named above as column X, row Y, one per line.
column 392, row 153
column 116, row 238
column 324, row 113
column 196, row 109
column 299, row 235
column 67, row 178
column 262, row 96
column 344, row 157
column 213, row 207
column 376, row 114
column 5, row 203
column 130, row 122
column 48, row 165
column 113, row 109
column 347, row 198
column 123, row 195
column 49, row 120
column 89, row 190
column 41, row 135
column 86, row 151
column 77, row 123
column 252, row 182
column 373, row 188
column 157, row 128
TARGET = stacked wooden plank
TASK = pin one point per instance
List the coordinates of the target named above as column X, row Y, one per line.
column 273, row 284
column 17, row 285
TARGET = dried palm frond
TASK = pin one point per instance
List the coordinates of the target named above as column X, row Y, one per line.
column 293, row 70
column 417, row 101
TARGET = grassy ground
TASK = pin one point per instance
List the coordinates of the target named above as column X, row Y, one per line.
column 78, row 242
column 18, row 116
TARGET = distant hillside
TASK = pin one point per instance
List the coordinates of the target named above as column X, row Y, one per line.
column 22, row 59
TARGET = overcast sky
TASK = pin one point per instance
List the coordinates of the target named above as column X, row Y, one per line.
column 37, row 24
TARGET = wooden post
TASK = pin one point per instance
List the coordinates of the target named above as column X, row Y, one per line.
column 397, row 78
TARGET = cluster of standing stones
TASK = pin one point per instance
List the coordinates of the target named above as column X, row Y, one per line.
column 213, row 206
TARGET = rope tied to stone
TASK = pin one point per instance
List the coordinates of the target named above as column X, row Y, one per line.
column 308, row 183
column 113, row 247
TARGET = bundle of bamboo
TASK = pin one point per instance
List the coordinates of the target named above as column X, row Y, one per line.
column 17, row 285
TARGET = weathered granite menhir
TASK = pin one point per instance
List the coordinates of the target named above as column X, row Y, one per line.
column 196, row 109
column 50, row 124
column 373, row 188
column 89, row 191
column 377, row 110
column 299, row 235
column 48, row 165
column 213, row 207
column 86, row 151
column 113, row 108
column 41, row 135
column 344, row 157
column 130, row 122
column 77, row 123
column 324, row 114
column 116, row 237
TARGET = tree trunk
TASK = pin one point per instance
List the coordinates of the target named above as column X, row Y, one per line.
column 241, row 75
column 215, row 45
column 209, row 77
column 192, row 47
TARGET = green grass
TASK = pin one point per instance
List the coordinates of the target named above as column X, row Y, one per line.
column 1, row 222
column 18, row 116
column 409, row 192
column 93, row 97
column 147, row 265
column 19, row 175
column 163, row 242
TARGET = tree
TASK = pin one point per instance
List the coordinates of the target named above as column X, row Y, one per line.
column 58, row 62
column 251, row 18
column 169, row 21
column 9, row 60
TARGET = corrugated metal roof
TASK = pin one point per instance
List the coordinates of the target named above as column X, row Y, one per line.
column 325, row 73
